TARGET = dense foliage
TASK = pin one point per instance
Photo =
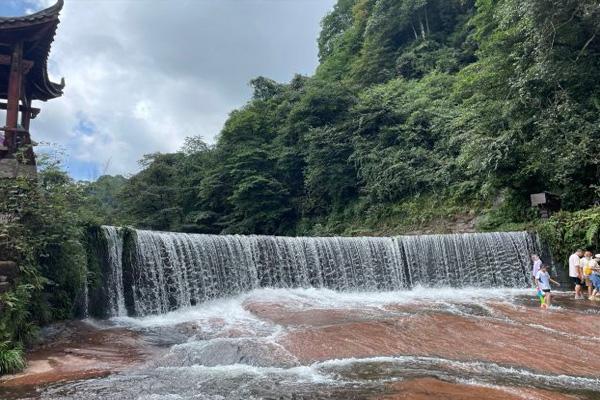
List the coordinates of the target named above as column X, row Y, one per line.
column 420, row 110
column 567, row 231
column 42, row 231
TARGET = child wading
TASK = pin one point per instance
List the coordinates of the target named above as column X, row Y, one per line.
column 543, row 280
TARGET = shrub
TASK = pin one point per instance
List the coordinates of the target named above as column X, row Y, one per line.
column 11, row 358
column 566, row 231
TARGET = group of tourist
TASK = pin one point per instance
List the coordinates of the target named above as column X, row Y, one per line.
column 584, row 269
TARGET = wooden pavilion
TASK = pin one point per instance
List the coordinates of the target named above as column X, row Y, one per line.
column 24, row 48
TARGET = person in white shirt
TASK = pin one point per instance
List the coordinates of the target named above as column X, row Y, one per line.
column 537, row 263
column 542, row 280
column 575, row 272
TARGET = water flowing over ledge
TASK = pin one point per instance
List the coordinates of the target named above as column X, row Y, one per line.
column 156, row 272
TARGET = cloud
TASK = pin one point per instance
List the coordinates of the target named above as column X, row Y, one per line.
column 143, row 75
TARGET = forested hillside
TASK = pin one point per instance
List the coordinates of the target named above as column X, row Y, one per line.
column 420, row 111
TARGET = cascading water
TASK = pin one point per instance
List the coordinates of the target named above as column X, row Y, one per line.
column 114, row 281
column 171, row 270
column 478, row 259
column 409, row 316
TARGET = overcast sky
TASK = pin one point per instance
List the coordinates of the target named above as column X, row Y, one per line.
column 141, row 75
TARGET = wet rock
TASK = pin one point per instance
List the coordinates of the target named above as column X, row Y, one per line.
column 305, row 348
column 77, row 350
column 430, row 388
column 254, row 352
column 455, row 336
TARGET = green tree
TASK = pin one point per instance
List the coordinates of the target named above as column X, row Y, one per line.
column 42, row 231
column 415, row 103
column 152, row 197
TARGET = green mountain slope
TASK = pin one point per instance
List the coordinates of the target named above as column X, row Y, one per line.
column 421, row 112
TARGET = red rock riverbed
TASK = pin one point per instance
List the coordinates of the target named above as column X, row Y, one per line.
column 424, row 344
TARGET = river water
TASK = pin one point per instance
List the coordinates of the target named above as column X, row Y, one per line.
column 261, row 317
column 316, row 343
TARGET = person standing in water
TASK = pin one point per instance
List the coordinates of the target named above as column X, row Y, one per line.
column 575, row 272
column 587, row 263
column 537, row 263
column 595, row 278
column 543, row 280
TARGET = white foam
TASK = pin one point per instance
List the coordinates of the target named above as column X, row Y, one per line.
column 326, row 298
column 328, row 372
column 231, row 310
column 301, row 374
column 466, row 368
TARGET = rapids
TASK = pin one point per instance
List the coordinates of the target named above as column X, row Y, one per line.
column 255, row 317
column 313, row 343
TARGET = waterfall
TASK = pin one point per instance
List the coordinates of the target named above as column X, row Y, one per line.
column 475, row 259
column 167, row 270
column 114, row 281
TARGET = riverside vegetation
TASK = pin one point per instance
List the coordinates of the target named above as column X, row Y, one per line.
column 420, row 111
column 45, row 236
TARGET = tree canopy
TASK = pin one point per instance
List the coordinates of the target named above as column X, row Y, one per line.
column 468, row 103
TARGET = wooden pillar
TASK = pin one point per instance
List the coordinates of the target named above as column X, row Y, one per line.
column 15, row 83
column 25, row 137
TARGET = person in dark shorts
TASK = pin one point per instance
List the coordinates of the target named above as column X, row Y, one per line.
column 575, row 272
column 543, row 280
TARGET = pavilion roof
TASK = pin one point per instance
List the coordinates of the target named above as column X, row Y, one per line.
column 37, row 33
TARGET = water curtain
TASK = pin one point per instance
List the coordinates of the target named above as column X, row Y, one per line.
column 164, row 271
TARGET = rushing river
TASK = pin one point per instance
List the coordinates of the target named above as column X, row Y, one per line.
column 234, row 317
column 317, row 343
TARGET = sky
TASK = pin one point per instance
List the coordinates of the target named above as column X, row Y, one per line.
column 141, row 75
